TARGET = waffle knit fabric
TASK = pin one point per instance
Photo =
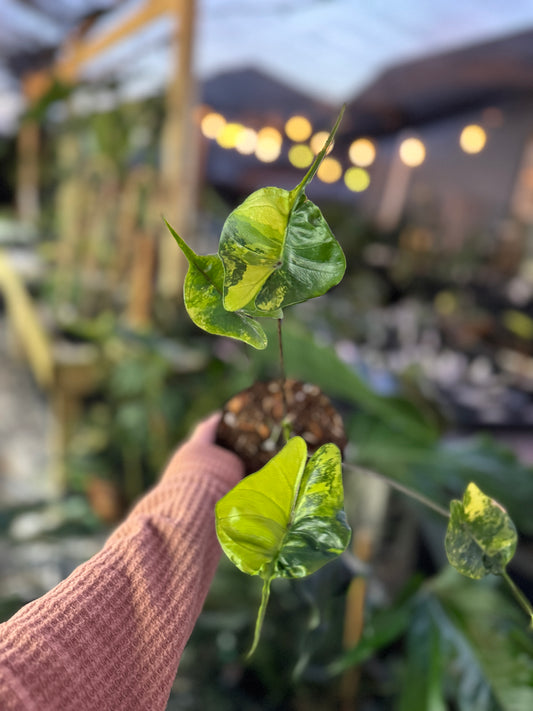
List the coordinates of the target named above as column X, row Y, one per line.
column 110, row 636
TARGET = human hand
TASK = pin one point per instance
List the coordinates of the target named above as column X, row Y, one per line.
column 206, row 430
column 200, row 447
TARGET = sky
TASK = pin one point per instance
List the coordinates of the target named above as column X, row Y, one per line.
column 330, row 49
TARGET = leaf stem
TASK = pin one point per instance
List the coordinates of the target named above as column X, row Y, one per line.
column 283, row 381
column 519, row 596
column 265, row 594
column 400, row 487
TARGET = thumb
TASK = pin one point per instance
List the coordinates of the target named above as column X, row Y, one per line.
column 205, row 431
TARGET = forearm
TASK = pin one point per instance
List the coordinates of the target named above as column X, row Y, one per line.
column 111, row 635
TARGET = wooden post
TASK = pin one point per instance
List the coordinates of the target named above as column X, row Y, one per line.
column 27, row 190
column 178, row 155
column 370, row 499
column 141, row 279
column 395, row 190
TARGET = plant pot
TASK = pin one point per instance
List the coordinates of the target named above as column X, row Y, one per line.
column 251, row 423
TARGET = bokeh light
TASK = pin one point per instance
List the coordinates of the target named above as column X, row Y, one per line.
column 211, row 124
column 246, row 142
column 301, row 156
column 317, row 142
column 298, row 129
column 356, row 179
column 269, row 141
column 473, row 139
column 412, row 152
column 228, row 135
column 330, row 170
column 362, row 152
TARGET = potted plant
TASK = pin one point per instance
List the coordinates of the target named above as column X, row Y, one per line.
column 286, row 518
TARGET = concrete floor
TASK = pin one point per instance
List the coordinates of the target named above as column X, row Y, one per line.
column 31, row 562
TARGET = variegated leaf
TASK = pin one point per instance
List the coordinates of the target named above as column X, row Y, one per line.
column 202, row 292
column 481, row 537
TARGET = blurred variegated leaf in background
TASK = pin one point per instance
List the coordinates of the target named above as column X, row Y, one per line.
column 481, row 537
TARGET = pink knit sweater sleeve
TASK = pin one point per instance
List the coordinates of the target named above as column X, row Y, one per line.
column 110, row 636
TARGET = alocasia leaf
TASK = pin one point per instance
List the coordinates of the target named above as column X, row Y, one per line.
column 481, row 537
column 287, row 519
column 203, row 299
column 277, row 248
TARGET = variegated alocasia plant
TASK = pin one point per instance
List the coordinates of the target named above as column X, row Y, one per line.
column 275, row 250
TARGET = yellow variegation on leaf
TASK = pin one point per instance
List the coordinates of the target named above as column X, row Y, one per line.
column 481, row 537
column 277, row 248
column 287, row 519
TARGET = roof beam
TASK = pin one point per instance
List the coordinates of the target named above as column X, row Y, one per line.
column 80, row 49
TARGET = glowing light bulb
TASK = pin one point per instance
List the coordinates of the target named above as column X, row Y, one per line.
column 317, row 142
column 211, row 124
column 269, row 142
column 356, row 179
column 472, row 139
column 298, row 129
column 330, row 170
column 362, row 152
column 228, row 135
column 412, row 152
column 246, row 141
column 301, row 156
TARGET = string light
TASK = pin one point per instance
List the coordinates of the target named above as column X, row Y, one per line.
column 362, row 152
column 246, row 141
column 228, row 135
column 267, row 145
column 356, row 179
column 211, row 124
column 269, row 141
column 298, row 129
column 473, row 139
column 412, row 152
column 318, row 140
column 300, row 156
column 330, row 170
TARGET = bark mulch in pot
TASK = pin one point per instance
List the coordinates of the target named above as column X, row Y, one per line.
column 251, row 421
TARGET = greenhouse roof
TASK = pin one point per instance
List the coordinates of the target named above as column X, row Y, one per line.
column 329, row 50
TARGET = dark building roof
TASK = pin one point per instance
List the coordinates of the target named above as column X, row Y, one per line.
column 438, row 86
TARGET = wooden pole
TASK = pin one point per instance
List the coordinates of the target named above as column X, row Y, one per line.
column 27, row 190
column 179, row 154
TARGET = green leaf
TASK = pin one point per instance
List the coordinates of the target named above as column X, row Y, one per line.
column 481, row 537
column 287, row 519
column 490, row 655
column 277, row 248
column 382, row 629
column 422, row 687
column 202, row 292
column 312, row 260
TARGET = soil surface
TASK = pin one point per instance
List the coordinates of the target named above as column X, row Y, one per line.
column 251, row 421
